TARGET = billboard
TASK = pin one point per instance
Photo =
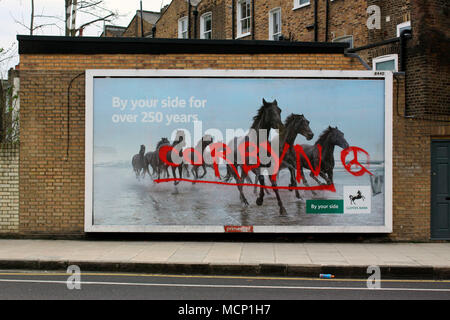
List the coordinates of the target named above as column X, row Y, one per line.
column 238, row 151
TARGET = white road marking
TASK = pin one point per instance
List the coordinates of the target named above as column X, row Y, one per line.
column 221, row 286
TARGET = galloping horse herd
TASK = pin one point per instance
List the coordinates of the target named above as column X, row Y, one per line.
column 268, row 117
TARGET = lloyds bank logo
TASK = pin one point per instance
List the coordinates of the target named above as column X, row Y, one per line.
column 357, row 199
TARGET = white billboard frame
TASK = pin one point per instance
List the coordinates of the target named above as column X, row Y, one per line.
column 89, row 226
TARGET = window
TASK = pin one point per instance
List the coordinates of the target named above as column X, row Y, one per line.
column 348, row 39
column 403, row 26
column 206, row 26
column 275, row 24
column 301, row 3
column 244, row 17
column 388, row 62
column 183, row 28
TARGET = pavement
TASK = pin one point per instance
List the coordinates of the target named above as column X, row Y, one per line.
column 344, row 260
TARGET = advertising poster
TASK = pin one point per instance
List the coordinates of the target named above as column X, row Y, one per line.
column 238, row 151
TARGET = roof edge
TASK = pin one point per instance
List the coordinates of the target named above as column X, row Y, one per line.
column 121, row 45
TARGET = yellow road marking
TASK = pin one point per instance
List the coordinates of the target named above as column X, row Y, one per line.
column 212, row 277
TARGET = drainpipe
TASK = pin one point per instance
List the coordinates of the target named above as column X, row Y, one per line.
column 327, row 9
column 315, row 21
column 404, row 35
column 195, row 22
column 189, row 19
column 233, row 18
column 142, row 22
column 253, row 19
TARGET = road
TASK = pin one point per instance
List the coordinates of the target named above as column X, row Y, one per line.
column 53, row 285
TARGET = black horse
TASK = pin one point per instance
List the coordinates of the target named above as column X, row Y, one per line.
column 138, row 162
column 178, row 145
column 204, row 142
column 268, row 117
column 329, row 138
column 294, row 125
column 152, row 159
column 358, row 196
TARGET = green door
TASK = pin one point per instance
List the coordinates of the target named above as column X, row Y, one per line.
column 440, row 189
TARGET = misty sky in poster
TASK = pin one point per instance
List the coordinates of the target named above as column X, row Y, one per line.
column 356, row 107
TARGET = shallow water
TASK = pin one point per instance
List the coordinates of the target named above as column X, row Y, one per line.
column 120, row 199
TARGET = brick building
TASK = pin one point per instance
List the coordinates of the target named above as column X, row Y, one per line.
column 113, row 31
column 51, row 169
column 141, row 27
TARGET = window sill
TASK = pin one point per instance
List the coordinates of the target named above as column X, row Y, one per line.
column 243, row 35
column 272, row 39
column 301, row 6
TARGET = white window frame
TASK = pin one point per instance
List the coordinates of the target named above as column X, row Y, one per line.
column 202, row 25
column 271, row 23
column 402, row 25
column 297, row 4
column 339, row 39
column 239, row 19
column 384, row 59
column 180, row 28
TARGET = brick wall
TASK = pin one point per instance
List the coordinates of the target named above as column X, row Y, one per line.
column 52, row 183
column 9, row 188
column 412, row 169
column 428, row 64
column 167, row 25
column 345, row 18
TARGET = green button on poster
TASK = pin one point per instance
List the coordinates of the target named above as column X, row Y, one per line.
column 324, row 206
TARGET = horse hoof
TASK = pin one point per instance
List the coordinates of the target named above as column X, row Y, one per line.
column 259, row 201
column 283, row 211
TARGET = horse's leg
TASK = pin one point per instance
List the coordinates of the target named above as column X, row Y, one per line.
column 330, row 176
column 294, row 182
column 180, row 173
column 260, row 199
column 219, row 177
column 174, row 175
column 315, row 178
column 280, row 203
column 204, row 170
column 228, row 175
column 194, row 172
column 326, row 177
column 255, row 188
column 166, row 168
column 239, row 182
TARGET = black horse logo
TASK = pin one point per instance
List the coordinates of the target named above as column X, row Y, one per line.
column 358, row 196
